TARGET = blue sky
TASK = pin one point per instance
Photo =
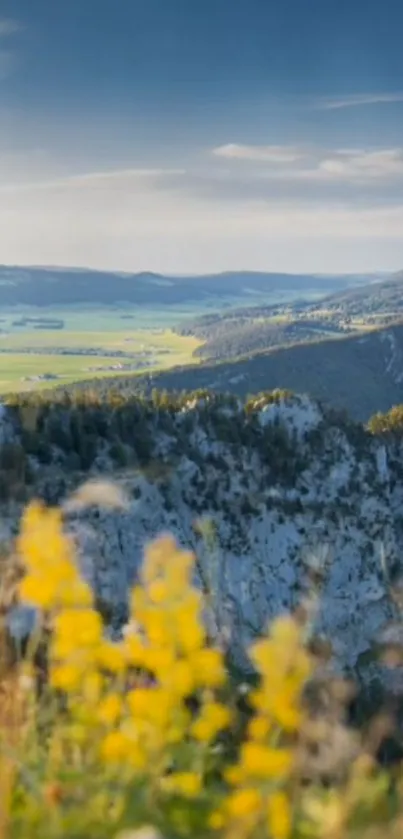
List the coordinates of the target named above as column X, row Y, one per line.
column 187, row 136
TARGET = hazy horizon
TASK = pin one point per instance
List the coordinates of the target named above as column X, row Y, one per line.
column 178, row 274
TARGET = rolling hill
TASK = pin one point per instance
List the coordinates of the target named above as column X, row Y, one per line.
column 381, row 298
column 248, row 329
column 64, row 286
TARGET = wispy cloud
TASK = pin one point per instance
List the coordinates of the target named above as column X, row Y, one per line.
column 315, row 164
column 260, row 154
column 359, row 166
column 359, row 100
column 226, row 210
column 8, row 27
column 93, row 180
column 8, row 57
column 171, row 220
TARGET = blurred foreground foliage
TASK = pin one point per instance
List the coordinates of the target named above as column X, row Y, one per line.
column 101, row 739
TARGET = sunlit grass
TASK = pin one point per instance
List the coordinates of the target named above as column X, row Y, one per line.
column 164, row 349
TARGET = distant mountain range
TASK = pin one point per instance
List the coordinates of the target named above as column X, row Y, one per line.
column 376, row 298
column 37, row 286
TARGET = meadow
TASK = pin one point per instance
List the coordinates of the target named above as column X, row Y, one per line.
column 28, row 354
column 93, row 342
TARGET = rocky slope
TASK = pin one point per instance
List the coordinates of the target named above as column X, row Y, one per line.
column 263, row 492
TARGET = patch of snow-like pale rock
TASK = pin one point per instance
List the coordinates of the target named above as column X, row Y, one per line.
column 263, row 557
column 382, row 463
column 297, row 413
column 393, row 356
column 7, row 431
column 267, row 532
column 262, row 574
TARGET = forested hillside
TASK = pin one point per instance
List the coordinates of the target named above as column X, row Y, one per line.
column 360, row 373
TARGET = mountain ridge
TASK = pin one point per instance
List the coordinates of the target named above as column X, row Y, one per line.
column 45, row 286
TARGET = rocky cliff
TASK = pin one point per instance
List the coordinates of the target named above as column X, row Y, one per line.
column 267, row 494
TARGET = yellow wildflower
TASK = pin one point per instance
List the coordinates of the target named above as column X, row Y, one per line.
column 158, row 592
column 78, row 627
column 180, row 679
column 115, row 747
column 138, row 604
column 159, row 660
column 38, row 590
column 111, row 657
column 134, row 650
column 192, row 637
column 52, row 578
column 285, row 713
column 263, row 762
column 153, row 704
column 138, row 701
column 266, row 656
column 157, row 555
column 244, row 802
column 188, row 784
column 178, row 572
column 258, row 728
column 282, row 654
column 286, row 632
column 91, row 687
column 77, row 594
column 66, row 677
column 41, row 540
column 213, row 718
column 157, row 626
column 178, row 726
column 279, row 816
column 208, row 668
column 110, row 708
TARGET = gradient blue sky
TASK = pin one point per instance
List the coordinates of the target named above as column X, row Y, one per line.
column 200, row 135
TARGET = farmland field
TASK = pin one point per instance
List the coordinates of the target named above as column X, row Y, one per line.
column 92, row 343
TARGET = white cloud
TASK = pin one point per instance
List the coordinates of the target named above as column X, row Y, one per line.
column 360, row 100
column 364, row 166
column 315, row 164
column 261, row 154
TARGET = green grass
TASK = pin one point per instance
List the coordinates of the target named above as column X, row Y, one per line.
column 130, row 340
column 130, row 329
column 34, row 352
